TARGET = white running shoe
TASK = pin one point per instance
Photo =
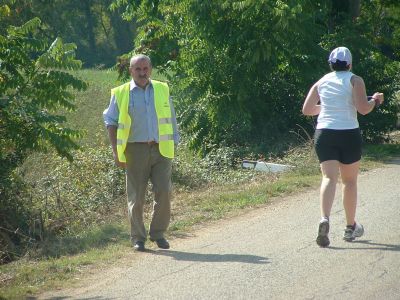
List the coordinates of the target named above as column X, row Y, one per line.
column 350, row 234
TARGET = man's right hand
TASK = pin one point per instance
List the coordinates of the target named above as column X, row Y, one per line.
column 112, row 134
column 119, row 163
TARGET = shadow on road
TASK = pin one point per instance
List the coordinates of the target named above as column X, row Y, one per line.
column 395, row 161
column 371, row 246
column 189, row 256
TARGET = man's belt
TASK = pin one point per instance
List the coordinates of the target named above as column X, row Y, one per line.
column 150, row 143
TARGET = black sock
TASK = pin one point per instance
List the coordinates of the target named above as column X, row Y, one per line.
column 352, row 226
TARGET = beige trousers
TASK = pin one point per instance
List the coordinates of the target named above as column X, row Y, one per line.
column 145, row 162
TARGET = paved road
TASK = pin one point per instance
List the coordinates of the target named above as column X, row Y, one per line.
column 270, row 253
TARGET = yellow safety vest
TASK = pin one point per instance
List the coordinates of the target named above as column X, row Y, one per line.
column 164, row 116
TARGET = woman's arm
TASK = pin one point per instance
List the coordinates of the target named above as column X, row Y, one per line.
column 360, row 99
column 310, row 106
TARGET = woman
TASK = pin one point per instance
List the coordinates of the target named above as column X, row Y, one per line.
column 336, row 98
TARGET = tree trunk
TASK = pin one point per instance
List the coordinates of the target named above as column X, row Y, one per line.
column 355, row 8
column 90, row 29
column 341, row 10
column 124, row 32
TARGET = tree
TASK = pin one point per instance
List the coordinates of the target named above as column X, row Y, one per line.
column 371, row 37
column 35, row 86
column 240, row 69
column 99, row 33
column 238, row 64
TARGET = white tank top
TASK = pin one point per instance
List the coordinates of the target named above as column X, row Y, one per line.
column 337, row 108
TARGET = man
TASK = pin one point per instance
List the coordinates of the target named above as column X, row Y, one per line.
column 142, row 129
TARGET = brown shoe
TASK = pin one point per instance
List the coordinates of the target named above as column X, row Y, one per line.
column 162, row 243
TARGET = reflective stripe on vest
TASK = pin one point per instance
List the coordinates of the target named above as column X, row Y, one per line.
column 165, row 121
column 163, row 112
column 166, row 137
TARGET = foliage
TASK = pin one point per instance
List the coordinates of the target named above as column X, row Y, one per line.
column 99, row 33
column 68, row 195
column 364, row 37
column 241, row 69
column 219, row 167
column 33, row 86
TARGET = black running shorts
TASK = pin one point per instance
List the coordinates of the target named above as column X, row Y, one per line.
column 341, row 145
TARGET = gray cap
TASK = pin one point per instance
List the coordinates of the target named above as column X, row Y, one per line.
column 342, row 54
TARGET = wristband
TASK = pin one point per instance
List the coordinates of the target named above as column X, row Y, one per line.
column 377, row 102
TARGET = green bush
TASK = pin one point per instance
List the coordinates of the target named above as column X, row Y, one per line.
column 34, row 85
column 73, row 195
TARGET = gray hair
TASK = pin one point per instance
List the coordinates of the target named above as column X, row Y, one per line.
column 138, row 57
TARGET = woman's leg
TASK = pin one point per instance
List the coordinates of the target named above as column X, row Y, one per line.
column 349, row 173
column 330, row 173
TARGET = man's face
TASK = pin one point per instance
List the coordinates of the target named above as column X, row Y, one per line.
column 140, row 72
